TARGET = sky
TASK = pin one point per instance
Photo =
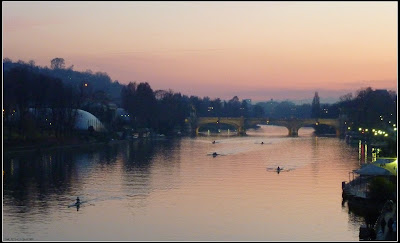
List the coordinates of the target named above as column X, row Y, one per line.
column 256, row 50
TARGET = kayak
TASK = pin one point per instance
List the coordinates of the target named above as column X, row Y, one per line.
column 77, row 204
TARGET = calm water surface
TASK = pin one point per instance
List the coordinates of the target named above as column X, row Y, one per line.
column 175, row 190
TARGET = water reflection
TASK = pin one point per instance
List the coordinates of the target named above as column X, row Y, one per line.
column 171, row 190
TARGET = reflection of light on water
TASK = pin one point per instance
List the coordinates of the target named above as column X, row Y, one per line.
column 366, row 153
column 273, row 130
column 363, row 153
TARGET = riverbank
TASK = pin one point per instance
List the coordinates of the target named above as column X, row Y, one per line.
column 55, row 144
column 386, row 224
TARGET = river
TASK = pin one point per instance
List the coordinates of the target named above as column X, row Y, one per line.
column 175, row 190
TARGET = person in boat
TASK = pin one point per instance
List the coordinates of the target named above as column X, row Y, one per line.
column 213, row 142
column 278, row 169
column 262, row 142
column 215, row 154
column 77, row 201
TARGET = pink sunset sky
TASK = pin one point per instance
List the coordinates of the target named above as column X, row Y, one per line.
column 257, row 50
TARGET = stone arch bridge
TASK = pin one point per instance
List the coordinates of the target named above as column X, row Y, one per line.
column 240, row 123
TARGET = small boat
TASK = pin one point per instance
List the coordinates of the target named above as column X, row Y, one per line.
column 77, row 203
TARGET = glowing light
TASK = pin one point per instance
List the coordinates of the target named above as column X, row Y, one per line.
column 386, row 135
column 366, row 129
column 359, row 129
column 348, row 128
column 86, row 84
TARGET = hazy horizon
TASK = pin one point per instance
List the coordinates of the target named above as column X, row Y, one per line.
column 256, row 50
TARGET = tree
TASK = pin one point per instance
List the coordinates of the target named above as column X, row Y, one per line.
column 57, row 63
column 258, row 111
column 315, row 106
column 233, row 107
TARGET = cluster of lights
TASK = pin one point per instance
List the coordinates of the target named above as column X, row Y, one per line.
column 379, row 132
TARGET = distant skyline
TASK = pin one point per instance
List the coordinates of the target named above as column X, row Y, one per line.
column 257, row 50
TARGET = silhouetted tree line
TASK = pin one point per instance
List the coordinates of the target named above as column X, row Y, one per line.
column 36, row 103
column 368, row 108
column 98, row 81
column 61, row 90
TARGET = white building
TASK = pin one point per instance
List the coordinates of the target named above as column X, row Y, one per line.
column 85, row 119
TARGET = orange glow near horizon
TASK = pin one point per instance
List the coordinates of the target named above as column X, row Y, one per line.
column 214, row 48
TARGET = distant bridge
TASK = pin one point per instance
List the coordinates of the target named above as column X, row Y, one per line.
column 240, row 123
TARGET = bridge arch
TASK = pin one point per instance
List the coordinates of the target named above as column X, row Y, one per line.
column 293, row 125
column 235, row 122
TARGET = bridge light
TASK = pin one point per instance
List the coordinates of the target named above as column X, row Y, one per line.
column 366, row 129
column 316, row 123
column 348, row 128
column 359, row 129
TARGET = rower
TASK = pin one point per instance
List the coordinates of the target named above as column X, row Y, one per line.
column 215, row 154
column 278, row 168
column 213, row 142
column 262, row 142
column 77, row 201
